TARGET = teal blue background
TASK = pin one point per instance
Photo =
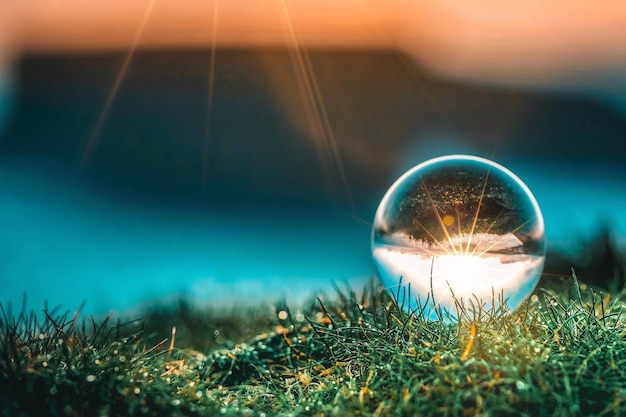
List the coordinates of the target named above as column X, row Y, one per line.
column 272, row 219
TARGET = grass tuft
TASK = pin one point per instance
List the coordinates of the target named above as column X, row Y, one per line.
column 557, row 355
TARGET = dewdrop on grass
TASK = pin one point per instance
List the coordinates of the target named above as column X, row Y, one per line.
column 456, row 231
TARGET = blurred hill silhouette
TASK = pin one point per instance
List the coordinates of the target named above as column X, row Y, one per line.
column 385, row 114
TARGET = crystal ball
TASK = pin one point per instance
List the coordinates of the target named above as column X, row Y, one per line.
column 457, row 236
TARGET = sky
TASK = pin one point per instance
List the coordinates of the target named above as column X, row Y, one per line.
column 260, row 203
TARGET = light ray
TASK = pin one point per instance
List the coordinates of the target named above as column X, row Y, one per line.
column 318, row 116
column 493, row 223
column 356, row 218
column 458, row 223
column 305, row 90
column 92, row 143
column 511, row 232
column 437, row 241
column 480, row 202
column 329, row 133
column 439, row 219
column 413, row 74
column 206, row 145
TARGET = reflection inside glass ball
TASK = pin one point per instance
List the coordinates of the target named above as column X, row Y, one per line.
column 458, row 233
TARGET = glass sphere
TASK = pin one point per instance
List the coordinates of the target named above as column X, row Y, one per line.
column 457, row 234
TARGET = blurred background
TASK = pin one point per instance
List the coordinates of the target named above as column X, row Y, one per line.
column 236, row 152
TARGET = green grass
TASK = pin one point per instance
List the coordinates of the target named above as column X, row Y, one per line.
column 558, row 355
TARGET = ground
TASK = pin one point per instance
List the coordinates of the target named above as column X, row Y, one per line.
column 348, row 354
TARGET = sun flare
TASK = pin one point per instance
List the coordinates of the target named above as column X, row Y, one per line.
column 460, row 268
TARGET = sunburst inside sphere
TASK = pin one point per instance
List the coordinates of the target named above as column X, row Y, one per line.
column 458, row 234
